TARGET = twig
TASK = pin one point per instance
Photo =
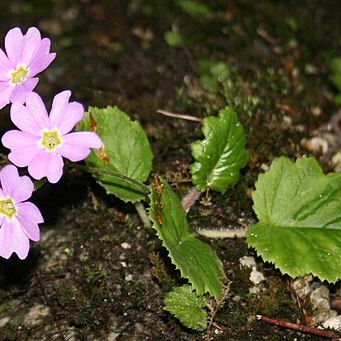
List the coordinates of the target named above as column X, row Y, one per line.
column 306, row 316
column 266, row 36
column 183, row 117
column 304, row 329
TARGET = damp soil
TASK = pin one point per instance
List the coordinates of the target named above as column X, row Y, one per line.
column 98, row 273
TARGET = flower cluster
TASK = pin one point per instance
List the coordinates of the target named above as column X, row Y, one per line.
column 18, row 219
column 41, row 141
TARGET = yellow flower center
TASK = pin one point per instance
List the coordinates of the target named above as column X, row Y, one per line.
column 18, row 76
column 7, row 208
column 51, row 139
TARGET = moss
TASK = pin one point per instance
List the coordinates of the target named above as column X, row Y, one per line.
column 162, row 270
column 95, row 272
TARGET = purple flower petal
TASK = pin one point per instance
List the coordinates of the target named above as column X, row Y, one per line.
column 30, row 229
column 83, row 138
column 54, row 168
column 30, row 212
column 21, row 91
column 37, row 165
column 16, row 139
column 5, row 66
column 66, row 121
column 47, row 164
column 5, row 93
column 9, row 178
column 41, row 64
column 29, row 217
column 13, row 45
column 13, row 239
column 43, row 48
column 25, row 120
column 5, row 238
column 18, row 188
column 24, row 191
column 77, row 145
column 30, row 84
column 31, row 41
column 74, row 153
column 23, row 157
column 59, row 107
column 36, row 106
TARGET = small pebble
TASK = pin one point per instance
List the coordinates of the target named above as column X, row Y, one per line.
column 125, row 246
column 247, row 261
column 336, row 161
column 128, row 278
column 316, row 145
column 333, row 323
column 4, row 321
column 256, row 277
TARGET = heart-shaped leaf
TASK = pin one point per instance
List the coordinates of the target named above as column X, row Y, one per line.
column 299, row 212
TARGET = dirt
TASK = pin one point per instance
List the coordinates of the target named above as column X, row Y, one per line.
column 98, row 273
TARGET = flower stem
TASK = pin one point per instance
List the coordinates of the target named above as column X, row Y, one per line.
column 142, row 187
column 143, row 215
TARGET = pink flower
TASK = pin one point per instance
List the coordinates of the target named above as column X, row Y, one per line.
column 44, row 139
column 18, row 219
column 27, row 55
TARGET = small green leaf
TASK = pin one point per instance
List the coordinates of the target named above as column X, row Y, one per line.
column 212, row 72
column 221, row 154
column 195, row 259
column 126, row 151
column 195, row 8
column 176, row 39
column 299, row 212
column 335, row 66
column 188, row 307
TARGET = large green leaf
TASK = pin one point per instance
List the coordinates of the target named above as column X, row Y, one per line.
column 188, row 307
column 126, row 151
column 195, row 259
column 299, row 212
column 221, row 154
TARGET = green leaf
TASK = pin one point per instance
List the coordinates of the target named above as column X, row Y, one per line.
column 212, row 72
column 177, row 39
column 195, row 8
column 188, row 307
column 299, row 212
column 195, row 260
column 221, row 154
column 126, row 151
column 335, row 66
